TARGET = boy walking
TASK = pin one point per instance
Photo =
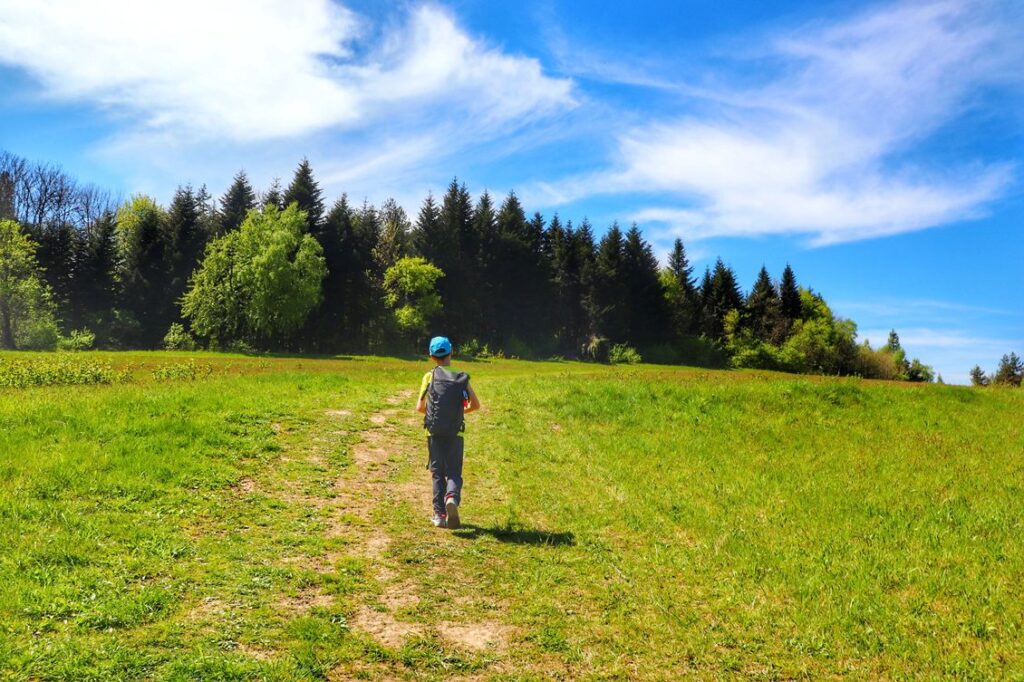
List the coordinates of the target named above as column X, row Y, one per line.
column 445, row 397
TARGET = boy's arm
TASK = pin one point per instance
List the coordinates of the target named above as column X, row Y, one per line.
column 474, row 402
column 421, row 402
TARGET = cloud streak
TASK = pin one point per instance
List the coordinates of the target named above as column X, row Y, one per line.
column 252, row 71
column 823, row 147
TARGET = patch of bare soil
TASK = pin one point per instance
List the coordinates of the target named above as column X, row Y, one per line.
column 478, row 636
column 384, row 628
column 305, row 601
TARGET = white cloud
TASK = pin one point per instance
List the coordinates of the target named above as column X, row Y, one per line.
column 951, row 352
column 246, row 70
column 820, row 148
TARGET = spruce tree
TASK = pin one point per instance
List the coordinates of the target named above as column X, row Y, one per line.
column 789, row 295
column 485, row 225
column 274, row 196
column 706, row 312
column 586, row 255
column 427, row 236
column 324, row 329
column 724, row 296
column 186, row 239
column 609, row 275
column 395, row 238
column 236, row 203
column 95, row 281
column 763, row 306
column 305, row 192
column 456, row 254
column 641, row 291
column 892, row 344
column 1010, row 371
column 58, row 245
column 978, row 377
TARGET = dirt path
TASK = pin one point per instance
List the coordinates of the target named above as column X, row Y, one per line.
column 386, row 472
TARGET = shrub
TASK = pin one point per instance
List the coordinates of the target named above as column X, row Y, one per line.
column 177, row 338
column 61, row 370
column 241, row 347
column 79, row 339
column 621, row 354
column 182, row 371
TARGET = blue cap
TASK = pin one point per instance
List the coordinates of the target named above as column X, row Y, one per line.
column 440, row 346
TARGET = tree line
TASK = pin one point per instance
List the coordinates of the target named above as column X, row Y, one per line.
column 282, row 270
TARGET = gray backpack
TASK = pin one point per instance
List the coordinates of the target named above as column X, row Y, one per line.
column 445, row 411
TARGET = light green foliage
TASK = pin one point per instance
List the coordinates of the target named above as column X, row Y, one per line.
column 177, row 338
column 259, row 282
column 26, row 304
column 59, row 370
column 183, row 371
column 622, row 354
column 410, row 291
column 818, row 343
column 139, row 222
column 77, row 340
column 660, row 523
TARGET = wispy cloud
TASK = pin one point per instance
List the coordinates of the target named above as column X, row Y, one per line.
column 952, row 352
column 272, row 69
column 823, row 147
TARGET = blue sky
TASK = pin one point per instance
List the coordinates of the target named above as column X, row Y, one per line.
column 874, row 146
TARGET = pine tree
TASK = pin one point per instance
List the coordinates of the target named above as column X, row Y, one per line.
column 485, row 225
column 456, row 255
column 763, row 306
column 641, row 291
column 364, row 276
column 325, row 329
column 236, row 203
column 274, row 196
column 95, row 280
column 1010, row 371
column 682, row 271
column 305, row 192
column 186, row 239
column 789, row 295
column 427, row 236
column 395, row 238
column 586, row 255
column 706, row 312
column 978, row 377
column 609, row 274
column 724, row 296
column 893, row 343
column 58, row 245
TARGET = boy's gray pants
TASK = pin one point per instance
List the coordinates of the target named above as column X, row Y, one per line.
column 445, row 464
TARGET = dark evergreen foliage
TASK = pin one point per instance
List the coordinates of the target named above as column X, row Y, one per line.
column 763, row 307
column 789, row 295
column 236, row 203
column 305, row 191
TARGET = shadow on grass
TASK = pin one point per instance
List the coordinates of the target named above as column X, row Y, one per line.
column 517, row 536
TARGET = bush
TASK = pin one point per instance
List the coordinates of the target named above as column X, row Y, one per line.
column 182, row 371
column 621, row 354
column 241, row 347
column 62, row 370
column 79, row 339
column 177, row 338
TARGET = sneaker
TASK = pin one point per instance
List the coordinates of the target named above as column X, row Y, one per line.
column 452, row 507
column 439, row 521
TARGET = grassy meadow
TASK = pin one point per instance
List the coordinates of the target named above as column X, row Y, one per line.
column 219, row 517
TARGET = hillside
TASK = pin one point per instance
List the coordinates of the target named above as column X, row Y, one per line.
column 233, row 517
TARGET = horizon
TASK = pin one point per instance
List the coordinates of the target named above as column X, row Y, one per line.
column 876, row 150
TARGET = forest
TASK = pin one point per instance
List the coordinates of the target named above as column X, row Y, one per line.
column 283, row 270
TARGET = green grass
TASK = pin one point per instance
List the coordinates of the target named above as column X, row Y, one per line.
column 622, row 523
